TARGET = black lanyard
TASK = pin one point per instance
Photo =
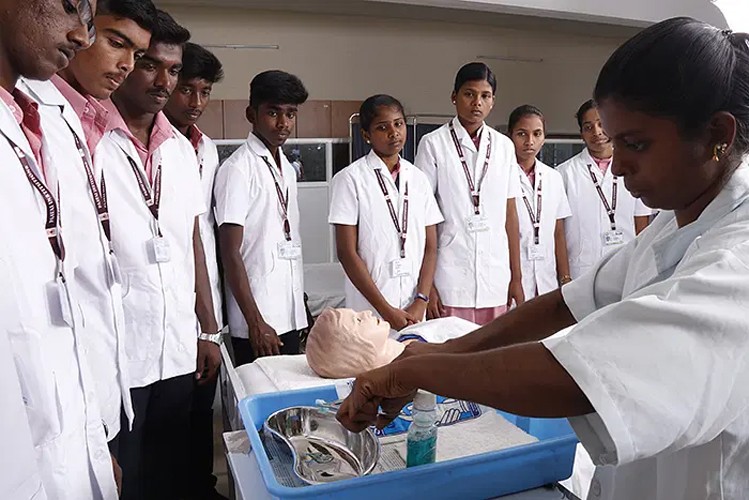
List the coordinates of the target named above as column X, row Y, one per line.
column 610, row 209
column 152, row 196
column 99, row 194
column 52, row 223
column 535, row 219
column 402, row 229
column 282, row 200
column 475, row 189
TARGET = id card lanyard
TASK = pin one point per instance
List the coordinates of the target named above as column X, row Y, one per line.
column 474, row 188
column 535, row 218
column 52, row 221
column 401, row 228
column 610, row 208
column 99, row 194
column 283, row 200
column 151, row 194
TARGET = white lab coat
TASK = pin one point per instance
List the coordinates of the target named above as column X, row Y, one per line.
column 159, row 298
column 100, row 296
column 660, row 351
column 208, row 164
column 19, row 473
column 585, row 229
column 245, row 195
column 50, row 358
column 473, row 269
column 540, row 276
column 357, row 200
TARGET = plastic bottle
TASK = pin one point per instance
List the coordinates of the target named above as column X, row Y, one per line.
column 421, row 441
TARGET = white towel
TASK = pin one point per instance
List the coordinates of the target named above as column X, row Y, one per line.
column 490, row 432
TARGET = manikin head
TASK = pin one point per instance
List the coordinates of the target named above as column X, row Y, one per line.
column 344, row 343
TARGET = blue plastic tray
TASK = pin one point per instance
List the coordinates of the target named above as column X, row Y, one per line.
column 481, row 476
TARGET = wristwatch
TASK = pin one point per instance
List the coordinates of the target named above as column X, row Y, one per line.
column 217, row 338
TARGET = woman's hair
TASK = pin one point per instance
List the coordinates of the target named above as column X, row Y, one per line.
column 368, row 109
column 521, row 112
column 684, row 70
column 475, row 71
column 584, row 108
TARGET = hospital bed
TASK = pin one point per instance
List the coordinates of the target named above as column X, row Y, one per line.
column 284, row 373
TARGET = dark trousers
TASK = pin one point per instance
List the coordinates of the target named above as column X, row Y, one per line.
column 153, row 456
column 244, row 354
column 201, row 481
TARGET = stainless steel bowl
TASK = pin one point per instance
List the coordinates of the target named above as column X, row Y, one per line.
column 323, row 450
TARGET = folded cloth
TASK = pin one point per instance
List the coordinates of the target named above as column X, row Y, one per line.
column 490, row 432
column 279, row 373
column 436, row 331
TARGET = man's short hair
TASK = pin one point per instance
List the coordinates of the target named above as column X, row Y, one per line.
column 276, row 87
column 199, row 62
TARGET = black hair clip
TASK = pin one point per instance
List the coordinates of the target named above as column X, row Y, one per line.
column 727, row 33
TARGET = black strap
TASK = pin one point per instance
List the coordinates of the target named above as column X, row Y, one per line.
column 610, row 209
column 535, row 219
column 475, row 189
column 402, row 229
column 282, row 200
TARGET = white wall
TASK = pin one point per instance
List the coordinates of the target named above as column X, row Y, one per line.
column 350, row 58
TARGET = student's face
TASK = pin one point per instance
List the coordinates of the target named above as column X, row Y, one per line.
column 100, row 70
column 387, row 134
column 40, row 37
column 474, row 101
column 659, row 165
column 154, row 78
column 188, row 102
column 528, row 137
column 596, row 140
column 273, row 122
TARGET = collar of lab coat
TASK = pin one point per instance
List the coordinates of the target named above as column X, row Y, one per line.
column 526, row 182
column 465, row 137
column 375, row 161
column 589, row 160
column 47, row 94
column 12, row 130
column 670, row 249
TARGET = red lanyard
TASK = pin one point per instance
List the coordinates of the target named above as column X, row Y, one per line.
column 151, row 197
column 475, row 190
column 535, row 219
column 282, row 200
column 610, row 209
column 401, row 229
column 52, row 223
column 99, row 195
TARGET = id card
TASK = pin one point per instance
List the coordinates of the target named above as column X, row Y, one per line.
column 613, row 238
column 477, row 223
column 290, row 250
column 115, row 276
column 160, row 251
column 400, row 268
column 59, row 304
column 536, row 252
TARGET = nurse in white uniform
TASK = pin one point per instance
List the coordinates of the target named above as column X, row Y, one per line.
column 473, row 173
column 653, row 373
column 542, row 207
column 605, row 215
column 385, row 218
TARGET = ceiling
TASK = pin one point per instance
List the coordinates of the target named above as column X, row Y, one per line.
column 389, row 9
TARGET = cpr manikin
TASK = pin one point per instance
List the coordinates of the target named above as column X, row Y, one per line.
column 344, row 343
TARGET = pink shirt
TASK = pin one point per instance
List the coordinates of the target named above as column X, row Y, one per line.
column 195, row 136
column 603, row 164
column 396, row 171
column 162, row 130
column 26, row 113
column 94, row 117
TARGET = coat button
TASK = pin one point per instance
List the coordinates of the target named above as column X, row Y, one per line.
column 595, row 488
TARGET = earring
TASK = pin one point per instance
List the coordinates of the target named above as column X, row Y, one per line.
column 719, row 150
column 368, row 142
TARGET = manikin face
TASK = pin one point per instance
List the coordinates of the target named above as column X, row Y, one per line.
column 344, row 343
